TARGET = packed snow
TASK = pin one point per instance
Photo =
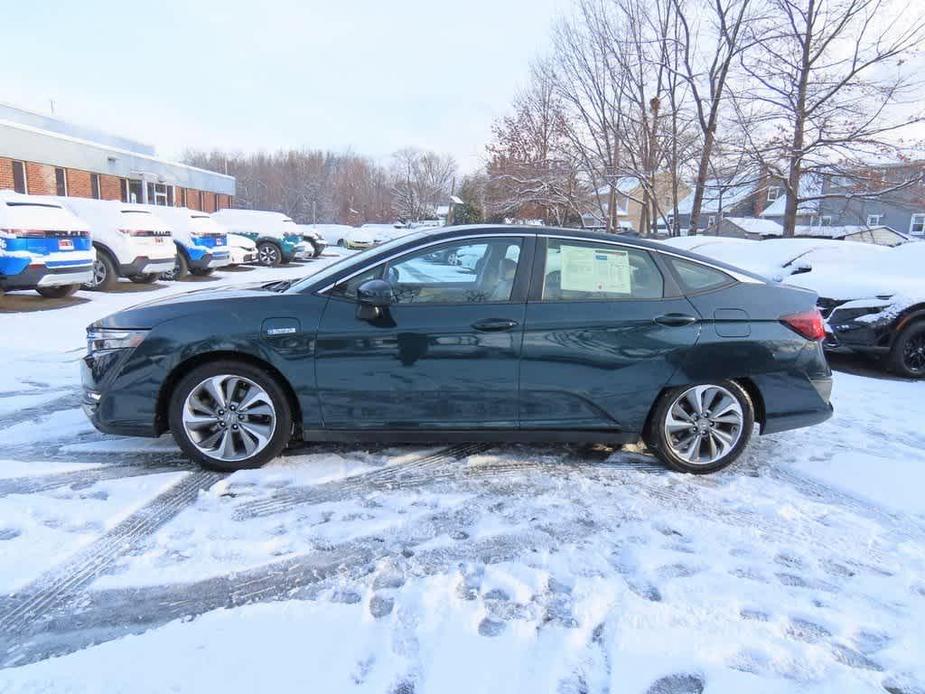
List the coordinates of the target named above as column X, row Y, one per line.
column 446, row 569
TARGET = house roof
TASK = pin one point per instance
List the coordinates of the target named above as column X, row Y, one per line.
column 716, row 192
column 754, row 225
column 808, row 186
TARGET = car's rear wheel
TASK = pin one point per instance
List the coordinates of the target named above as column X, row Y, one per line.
column 907, row 357
column 180, row 269
column 104, row 275
column 269, row 254
column 230, row 416
column 702, row 428
column 58, row 292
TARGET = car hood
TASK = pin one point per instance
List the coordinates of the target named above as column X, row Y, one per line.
column 152, row 313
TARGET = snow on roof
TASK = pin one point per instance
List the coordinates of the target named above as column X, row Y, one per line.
column 19, row 211
column 754, row 225
column 837, row 232
column 456, row 200
column 809, row 185
column 718, row 192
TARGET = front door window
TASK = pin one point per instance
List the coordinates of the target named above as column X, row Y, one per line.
column 461, row 272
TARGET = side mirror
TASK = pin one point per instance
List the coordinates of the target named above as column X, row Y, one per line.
column 375, row 293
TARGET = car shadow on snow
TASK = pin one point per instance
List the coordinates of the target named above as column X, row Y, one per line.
column 31, row 303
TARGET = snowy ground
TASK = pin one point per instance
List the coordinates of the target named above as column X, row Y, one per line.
column 450, row 568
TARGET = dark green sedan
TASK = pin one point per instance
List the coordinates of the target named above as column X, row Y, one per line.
column 490, row 333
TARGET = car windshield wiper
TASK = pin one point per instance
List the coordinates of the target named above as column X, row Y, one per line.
column 278, row 286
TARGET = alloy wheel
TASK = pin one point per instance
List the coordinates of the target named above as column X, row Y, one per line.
column 268, row 255
column 229, row 418
column 704, row 424
column 98, row 276
column 914, row 353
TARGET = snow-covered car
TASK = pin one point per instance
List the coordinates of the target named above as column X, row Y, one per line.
column 42, row 246
column 314, row 238
column 241, row 249
column 130, row 241
column 277, row 237
column 202, row 243
column 358, row 239
column 383, row 233
column 873, row 303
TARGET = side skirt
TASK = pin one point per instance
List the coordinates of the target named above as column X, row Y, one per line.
column 467, row 435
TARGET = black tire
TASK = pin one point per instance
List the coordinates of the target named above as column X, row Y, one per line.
column 907, row 356
column 202, row 271
column 340, row 242
column 105, row 273
column 149, row 278
column 58, row 292
column 317, row 249
column 180, row 269
column 269, row 254
column 279, row 439
column 657, row 437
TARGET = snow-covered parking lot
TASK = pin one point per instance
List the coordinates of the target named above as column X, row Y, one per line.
column 466, row 568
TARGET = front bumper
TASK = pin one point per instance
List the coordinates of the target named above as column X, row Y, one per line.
column 113, row 410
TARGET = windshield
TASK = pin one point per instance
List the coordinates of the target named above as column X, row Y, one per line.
column 350, row 260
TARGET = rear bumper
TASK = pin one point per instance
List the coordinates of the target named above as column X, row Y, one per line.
column 41, row 275
column 143, row 265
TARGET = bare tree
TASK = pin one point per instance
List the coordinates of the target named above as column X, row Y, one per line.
column 710, row 44
column 421, row 181
column 833, row 91
column 531, row 169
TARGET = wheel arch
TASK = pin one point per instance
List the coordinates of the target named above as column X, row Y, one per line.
column 181, row 369
column 103, row 248
column 747, row 384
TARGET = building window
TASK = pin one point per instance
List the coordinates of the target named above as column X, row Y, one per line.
column 917, row 225
column 215, row 202
column 95, row 186
column 19, row 177
column 131, row 190
column 773, row 193
column 202, row 201
column 182, row 196
column 61, row 183
column 825, row 220
column 170, row 196
column 711, row 220
column 874, row 220
column 159, row 194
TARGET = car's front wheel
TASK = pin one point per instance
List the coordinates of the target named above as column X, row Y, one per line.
column 702, row 428
column 907, row 357
column 230, row 415
column 269, row 254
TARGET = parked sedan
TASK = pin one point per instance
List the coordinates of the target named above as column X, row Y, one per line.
column 552, row 335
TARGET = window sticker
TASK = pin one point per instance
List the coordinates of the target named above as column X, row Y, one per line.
column 595, row 270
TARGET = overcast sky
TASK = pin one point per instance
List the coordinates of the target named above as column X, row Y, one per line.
column 368, row 75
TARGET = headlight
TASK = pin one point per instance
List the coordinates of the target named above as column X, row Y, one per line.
column 107, row 340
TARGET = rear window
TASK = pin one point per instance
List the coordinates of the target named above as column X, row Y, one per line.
column 696, row 277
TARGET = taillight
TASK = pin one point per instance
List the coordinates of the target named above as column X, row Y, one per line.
column 809, row 324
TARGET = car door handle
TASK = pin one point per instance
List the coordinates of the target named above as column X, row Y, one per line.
column 494, row 324
column 675, row 319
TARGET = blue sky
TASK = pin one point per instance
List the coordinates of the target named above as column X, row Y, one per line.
column 239, row 74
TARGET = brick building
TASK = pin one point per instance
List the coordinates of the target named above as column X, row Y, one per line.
column 43, row 155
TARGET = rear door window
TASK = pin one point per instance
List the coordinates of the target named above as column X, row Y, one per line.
column 583, row 271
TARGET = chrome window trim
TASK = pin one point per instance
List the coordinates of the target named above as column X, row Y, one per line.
column 739, row 277
column 437, row 242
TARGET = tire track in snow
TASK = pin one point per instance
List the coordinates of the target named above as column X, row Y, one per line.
column 69, row 401
column 56, row 586
column 398, row 476
column 899, row 523
column 82, row 478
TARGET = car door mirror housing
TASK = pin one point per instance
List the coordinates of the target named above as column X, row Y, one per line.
column 376, row 293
